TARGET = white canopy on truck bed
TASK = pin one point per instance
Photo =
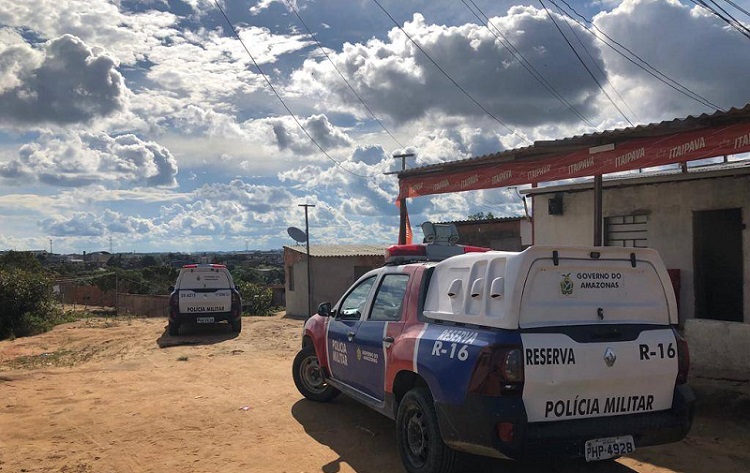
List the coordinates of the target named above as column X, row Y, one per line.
column 552, row 286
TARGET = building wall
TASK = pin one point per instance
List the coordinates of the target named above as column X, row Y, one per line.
column 670, row 208
column 715, row 345
column 331, row 276
column 495, row 234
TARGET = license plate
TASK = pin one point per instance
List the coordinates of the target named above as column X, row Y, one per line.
column 602, row 449
column 204, row 320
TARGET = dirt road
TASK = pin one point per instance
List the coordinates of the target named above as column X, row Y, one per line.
column 104, row 395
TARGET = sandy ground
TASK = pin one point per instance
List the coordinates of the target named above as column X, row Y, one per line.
column 120, row 395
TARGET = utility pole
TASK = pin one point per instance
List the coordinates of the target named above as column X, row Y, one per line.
column 402, row 202
column 117, row 289
column 307, row 241
column 50, row 246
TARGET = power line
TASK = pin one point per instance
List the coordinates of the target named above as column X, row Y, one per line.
column 524, row 62
column 583, row 63
column 449, row 77
column 738, row 7
column 593, row 61
column 278, row 96
column 642, row 63
column 731, row 21
column 323, row 50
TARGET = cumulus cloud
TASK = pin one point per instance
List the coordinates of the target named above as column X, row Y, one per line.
column 68, row 82
column 395, row 78
column 694, row 47
column 88, row 158
column 289, row 136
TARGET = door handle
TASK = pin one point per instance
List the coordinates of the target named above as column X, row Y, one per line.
column 350, row 336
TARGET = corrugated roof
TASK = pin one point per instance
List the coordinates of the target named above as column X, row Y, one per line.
column 486, row 220
column 327, row 251
column 714, row 171
column 546, row 148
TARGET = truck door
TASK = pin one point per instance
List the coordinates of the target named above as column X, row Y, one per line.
column 371, row 339
column 342, row 328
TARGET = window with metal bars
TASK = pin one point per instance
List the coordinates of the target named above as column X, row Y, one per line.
column 626, row 230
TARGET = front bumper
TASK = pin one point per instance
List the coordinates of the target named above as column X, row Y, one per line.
column 472, row 427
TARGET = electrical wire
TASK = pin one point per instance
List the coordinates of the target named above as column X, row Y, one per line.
column 593, row 61
column 467, row 94
column 731, row 21
column 583, row 63
column 507, row 44
column 323, row 50
column 640, row 63
column 738, row 7
column 283, row 103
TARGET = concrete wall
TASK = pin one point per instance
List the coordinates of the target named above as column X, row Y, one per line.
column 144, row 305
column 70, row 293
column 719, row 349
column 670, row 208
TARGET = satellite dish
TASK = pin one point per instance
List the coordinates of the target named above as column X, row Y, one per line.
column 298, row 235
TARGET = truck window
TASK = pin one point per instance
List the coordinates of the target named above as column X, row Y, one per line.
column 354, row 303
column 390, row 297
column 204, row 280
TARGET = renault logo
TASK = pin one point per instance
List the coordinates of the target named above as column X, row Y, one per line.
column 609, row 356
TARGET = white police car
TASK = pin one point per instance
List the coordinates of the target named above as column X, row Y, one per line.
column 204, row 294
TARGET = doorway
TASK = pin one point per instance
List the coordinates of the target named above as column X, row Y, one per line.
column 717, row 261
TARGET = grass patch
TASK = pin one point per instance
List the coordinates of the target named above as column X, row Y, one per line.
column 62, row 357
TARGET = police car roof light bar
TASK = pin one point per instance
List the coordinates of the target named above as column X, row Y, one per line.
column 402, row 254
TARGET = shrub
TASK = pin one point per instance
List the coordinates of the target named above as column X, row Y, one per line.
column 28, row 303
column 256, row 299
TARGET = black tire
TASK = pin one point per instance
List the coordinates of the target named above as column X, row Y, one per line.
column 173, row 328
column 236, row 325
column 418, row 436
column 308, row 377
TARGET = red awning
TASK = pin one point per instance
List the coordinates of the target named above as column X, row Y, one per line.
column 720, row 134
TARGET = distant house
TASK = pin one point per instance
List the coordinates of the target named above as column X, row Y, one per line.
column 333, row 268
column 496, row 233
column 98, row 257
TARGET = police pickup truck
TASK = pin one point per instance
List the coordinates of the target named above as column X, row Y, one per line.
column 204, row 294
column 564, row 352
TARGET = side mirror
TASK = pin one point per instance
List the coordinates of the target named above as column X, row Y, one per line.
column 324, row 309
column 171, row 289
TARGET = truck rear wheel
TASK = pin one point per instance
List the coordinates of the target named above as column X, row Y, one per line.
column 418, row 437
column 308, row 377
column 236, row 325
column 173, row 328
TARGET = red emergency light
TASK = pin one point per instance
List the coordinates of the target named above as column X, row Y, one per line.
column 401, row 254
column 192, row 266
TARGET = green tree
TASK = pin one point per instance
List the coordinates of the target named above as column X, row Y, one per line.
column 256, row 299
column 20, row 260
column 480, row 216
column 28, row 303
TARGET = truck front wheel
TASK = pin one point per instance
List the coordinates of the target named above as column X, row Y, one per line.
column 418, row 436
column 308, row 377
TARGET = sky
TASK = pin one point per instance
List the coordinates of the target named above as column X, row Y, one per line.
column 148, row 126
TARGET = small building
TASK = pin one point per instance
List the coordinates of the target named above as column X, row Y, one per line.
column 496, row 233
column 333, row 268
